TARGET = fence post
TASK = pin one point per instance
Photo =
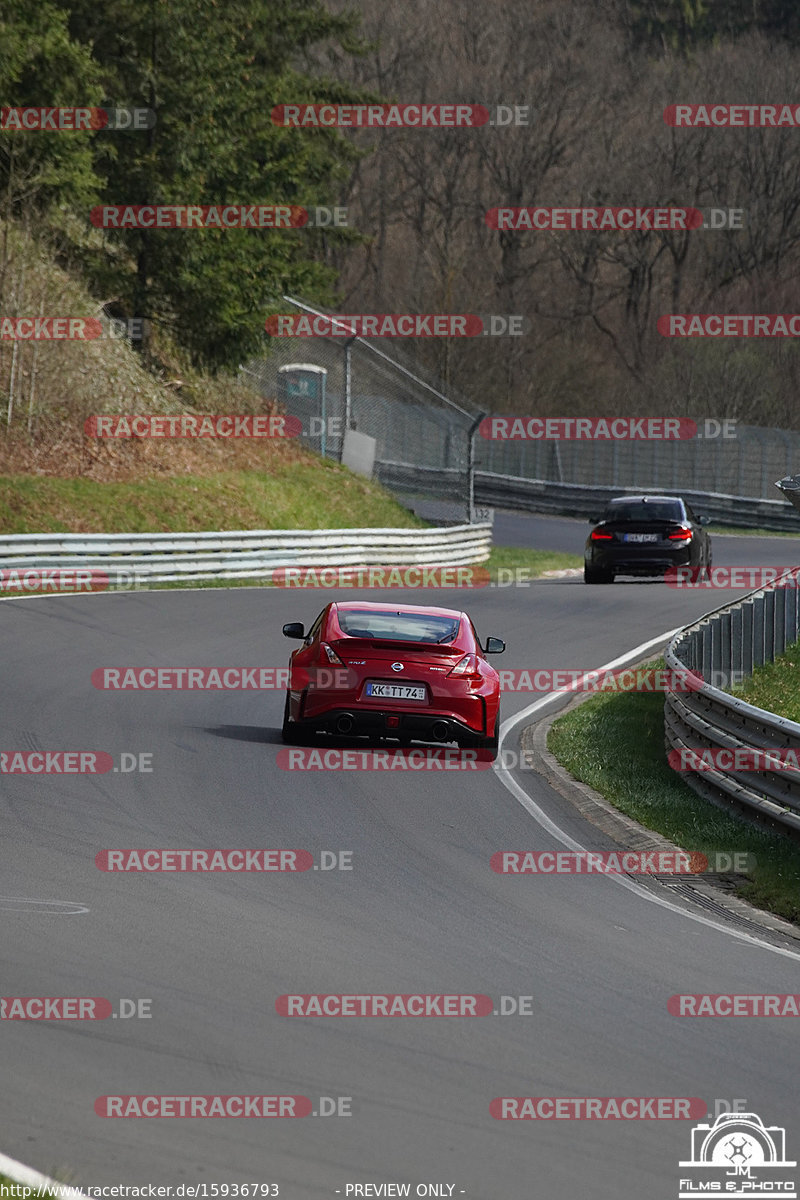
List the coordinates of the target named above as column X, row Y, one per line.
column 473, row 429
column 347, row 385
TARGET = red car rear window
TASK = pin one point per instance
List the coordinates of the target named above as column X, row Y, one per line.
column 397, row 626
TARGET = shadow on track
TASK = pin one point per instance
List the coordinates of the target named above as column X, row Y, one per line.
column 247, row 733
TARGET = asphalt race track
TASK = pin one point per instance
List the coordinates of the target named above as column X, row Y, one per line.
column 420, row 911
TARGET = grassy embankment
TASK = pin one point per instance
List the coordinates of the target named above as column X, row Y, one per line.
column 615, row 744
column 303, row 492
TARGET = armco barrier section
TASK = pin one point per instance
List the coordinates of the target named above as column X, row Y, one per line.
column 582, row 500
column 429, row 444
column 571, row 499
column 169, row 557
column 737, row 638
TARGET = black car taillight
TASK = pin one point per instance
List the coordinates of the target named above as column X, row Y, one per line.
column 683, row 534
column 597, row 535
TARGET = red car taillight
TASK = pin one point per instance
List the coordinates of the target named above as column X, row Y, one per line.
column 331, row 654
column 466, row 668
column 684, row 534
column 597, row 535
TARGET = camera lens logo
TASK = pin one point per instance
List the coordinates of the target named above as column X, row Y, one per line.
column 737, row 1155
column 741, row 1150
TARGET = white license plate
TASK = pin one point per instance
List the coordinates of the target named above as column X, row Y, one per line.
column 395, row 691
column 641, row 537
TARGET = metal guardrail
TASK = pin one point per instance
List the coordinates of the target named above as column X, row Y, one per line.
column 582, row 500
column 418, row 421
column 732, row 640
column 168, row 557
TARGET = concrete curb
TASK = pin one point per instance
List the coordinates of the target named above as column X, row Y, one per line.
column 628, row 834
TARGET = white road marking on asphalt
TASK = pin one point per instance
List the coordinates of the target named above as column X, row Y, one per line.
column 55, row 907
column 35, row 1180
column 504, row 775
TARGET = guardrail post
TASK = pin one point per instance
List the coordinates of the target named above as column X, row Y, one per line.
column 791, row 613
column 747, row 638
column 715, row 637
column 779, row 641
column 769, row 625
column 724, row 625
column 758, row 631
column 707, row 664
column 473, row 429
column 737, row 663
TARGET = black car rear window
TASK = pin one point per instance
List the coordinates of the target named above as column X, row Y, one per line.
column 396, row 626
column 645, row 510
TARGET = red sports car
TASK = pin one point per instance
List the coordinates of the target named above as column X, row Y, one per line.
column 399, row 671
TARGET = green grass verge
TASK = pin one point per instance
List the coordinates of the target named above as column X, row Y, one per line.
column 313, row 495
column 615, row 743
column 502, row 564
column 776, row 685
column 740, row 531
column 511, row 558
column 296, row 495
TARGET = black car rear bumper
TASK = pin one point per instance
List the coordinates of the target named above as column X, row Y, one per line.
column 622, row 562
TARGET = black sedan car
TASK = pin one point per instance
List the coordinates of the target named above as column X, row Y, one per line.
column 645, row 535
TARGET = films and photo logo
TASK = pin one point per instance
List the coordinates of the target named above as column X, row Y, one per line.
column 737, row 1156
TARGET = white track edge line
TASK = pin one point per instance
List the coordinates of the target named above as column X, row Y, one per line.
column 540, row 816
column 34, row 1179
